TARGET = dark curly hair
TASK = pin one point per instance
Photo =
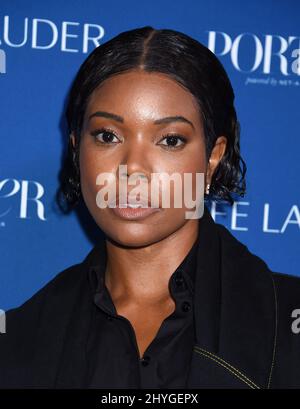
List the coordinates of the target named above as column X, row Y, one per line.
column 189, row 63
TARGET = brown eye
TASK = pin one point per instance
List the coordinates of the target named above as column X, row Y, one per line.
column 172, row 141
column 104, row 136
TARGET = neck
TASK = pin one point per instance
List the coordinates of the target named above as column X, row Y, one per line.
column 143, row 273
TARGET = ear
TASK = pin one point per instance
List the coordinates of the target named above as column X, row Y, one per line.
column 215, row 157
column 72, row 138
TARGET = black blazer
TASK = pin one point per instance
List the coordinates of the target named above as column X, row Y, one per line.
column 242, row 315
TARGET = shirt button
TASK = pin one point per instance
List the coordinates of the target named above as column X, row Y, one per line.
column 186, row 306
column 179, row 281
column 109, row 318
column 145, row 360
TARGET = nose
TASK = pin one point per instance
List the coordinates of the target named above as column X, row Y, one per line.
column 135, row 164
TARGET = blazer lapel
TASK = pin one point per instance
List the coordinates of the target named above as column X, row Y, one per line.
column 234, row 313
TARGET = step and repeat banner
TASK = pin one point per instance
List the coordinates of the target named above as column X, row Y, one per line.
column 42, row 45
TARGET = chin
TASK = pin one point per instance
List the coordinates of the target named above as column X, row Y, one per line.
column 132, row 234
column 138, row 233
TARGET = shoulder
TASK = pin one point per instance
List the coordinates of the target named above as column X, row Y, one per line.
column 271, row 299
column 237, row 253
column 23, row 322
column 65, row 282
column 58, row 286
column 38, row 325
column 55, row 298
column 36, row 331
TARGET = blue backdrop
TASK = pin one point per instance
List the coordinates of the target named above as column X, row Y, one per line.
column 43, row 43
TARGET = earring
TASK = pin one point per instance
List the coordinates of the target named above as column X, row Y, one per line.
column 207, row 189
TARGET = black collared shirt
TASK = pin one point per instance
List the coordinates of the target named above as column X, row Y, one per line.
column 112, row 351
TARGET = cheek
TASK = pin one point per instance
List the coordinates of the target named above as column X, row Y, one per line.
column 189, row 162
column 90, row 167
column 189, row 175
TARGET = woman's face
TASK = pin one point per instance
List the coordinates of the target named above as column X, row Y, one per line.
column 140, row 98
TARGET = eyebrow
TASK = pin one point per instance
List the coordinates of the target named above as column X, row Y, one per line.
column 118, row 118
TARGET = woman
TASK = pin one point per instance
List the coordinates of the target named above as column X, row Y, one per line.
column 162, row 301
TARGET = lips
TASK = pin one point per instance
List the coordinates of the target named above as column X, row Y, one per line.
column 128, row 213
